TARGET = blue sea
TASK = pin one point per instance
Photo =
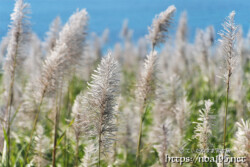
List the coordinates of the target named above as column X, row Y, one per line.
column 111, row 14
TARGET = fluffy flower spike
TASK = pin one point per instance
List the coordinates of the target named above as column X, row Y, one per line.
column 203, row 126
column 228, row 39
column 101, row 100
column 160, row 26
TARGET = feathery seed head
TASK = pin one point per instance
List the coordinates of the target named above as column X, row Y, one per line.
column 20, row 11
column 203, row 126
column 167, row 98
column 182, row 112
column 181, row 34
column 210, row 35
column 146, row 86
column 126, row 33
column 208, row 104
column 242, row 141
column 16, row 47
column 163, row 139
column 39, row 152
column 101, row 99
column 73, row 35
column 52, row 72
column 160, row 26
column 228, row 39
column 53, row 34
column 80, row 115
column 3, row 48
column 17, row 36
column 89, row 158
column 66, row 53
column 33, row 62
column 231, row 15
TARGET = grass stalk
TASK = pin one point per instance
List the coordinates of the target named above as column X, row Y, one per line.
column 33, row 128
column 115, row 151
column 55, row 137
column 99, row 149
column 10, row 102
column 143, row 110
column 138, row 152
column 68, row 104
column 56, row 123
column 226, row 111
column 77, row 152
column 65, row 153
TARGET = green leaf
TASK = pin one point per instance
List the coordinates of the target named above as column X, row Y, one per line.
column 6, row 137
column 62, row 136
column 19, row 154
column 6, row 144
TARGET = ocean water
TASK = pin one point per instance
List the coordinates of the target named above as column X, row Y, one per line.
column 111, row 14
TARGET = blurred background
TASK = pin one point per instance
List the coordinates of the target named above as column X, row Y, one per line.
column 110, row 14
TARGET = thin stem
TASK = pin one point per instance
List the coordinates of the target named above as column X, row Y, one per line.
column 138, row 153
column 100, row 135
column 55, row 137
column 68, row 104
column 99, row 149
column 139, row 144
column 57, row 116
column 115, row 150
column 164, row 146
column 143, row 111
column 77, row 151
column 10, row 99
column 65, row 150
column 34, row 128
column 14, row 115
column 225, row 119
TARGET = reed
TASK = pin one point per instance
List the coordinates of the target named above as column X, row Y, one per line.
column 241, row 142
column 17, row 37
column 99, row 104
column 67, row 51
column 228, row 38
column 146, row 85
column 63, row 103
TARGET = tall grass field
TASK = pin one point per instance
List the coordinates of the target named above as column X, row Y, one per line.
column 68, row 101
